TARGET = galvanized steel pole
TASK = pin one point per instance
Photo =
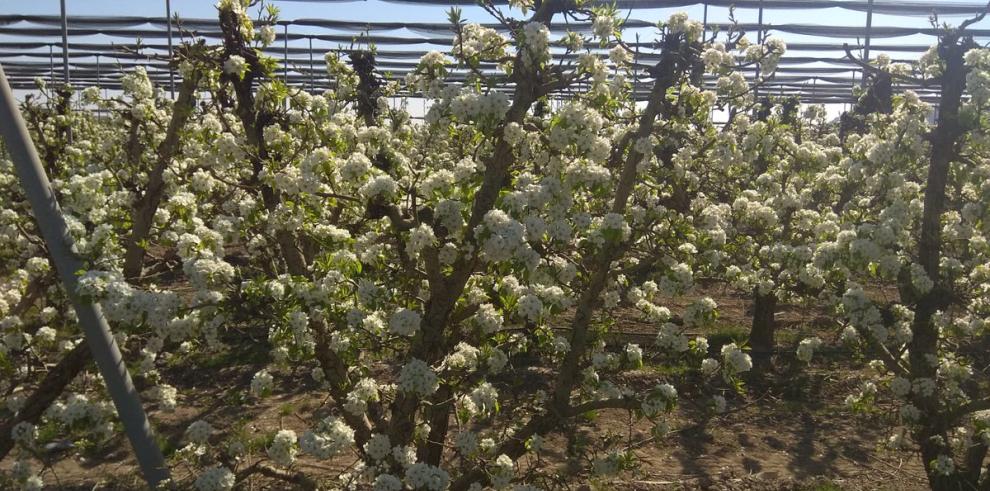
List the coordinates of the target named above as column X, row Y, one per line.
column 760, row 36
column 65, row 46
column 171, row 71
column 55, row 232
column 866, row 43
column 704, row 20
column 759, row 40
column 98, row 76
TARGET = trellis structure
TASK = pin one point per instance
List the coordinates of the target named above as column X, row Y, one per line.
column 34, row 46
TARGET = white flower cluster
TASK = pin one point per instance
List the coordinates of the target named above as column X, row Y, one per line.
column 472, row 106
column 199, row 432
column 535, row 43
column 806, row 348
column 614, row 225
column 420, row 238
column 504, row 238
column 579, row 126
column 619, row 55
column 700, row 312
column 634, row 354
column 216, row 478
column 433, row 59
column 487, row 319
column 355, row 167
column 365, row 390
column 483, row 400
column 920, row 280
column 381, row 186
column 428, row 477
column 266, row 35
column 475, row 40
column 767, row 55
column 331, row 437
column 530, row 307
column 464, row 358
column 670, row 337
column 387, row 482
column 235, row 65
column 603, row 26
column 716, row 58
column 978, row 78
column 735, row 360
column 404, row 322
column 137, row 84
column 679, row 23
column 660, row 399
column 262, row 383
column 418, row 378
column 283, row 449
column 502, row 471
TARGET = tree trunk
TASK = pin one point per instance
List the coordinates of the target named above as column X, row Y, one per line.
column 50, row 389
column 763, row 330
column 147, row 205
column 924, row 344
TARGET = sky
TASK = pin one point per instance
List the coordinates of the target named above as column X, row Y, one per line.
column 377, row 10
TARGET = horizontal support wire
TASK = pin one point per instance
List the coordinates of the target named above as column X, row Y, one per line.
column 402, row 42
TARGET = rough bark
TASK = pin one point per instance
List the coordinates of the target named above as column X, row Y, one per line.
column 432, row 342
column 363, row 63
column 676, row 58
column 147, row 205
column 877, row 99
column 51, row 388
column 763, row 330
column 945, row 141
column 254, row 121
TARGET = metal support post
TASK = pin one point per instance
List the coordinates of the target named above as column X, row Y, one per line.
column 866, row 42
column 65, row 46
column 704, row 21
column 759, row 40
column 98, row 78
column 55, row 232
column 171, row 70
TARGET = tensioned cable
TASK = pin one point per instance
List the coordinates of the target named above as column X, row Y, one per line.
column 411, row 40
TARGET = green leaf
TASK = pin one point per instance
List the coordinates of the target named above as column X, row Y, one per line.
column 454, row 16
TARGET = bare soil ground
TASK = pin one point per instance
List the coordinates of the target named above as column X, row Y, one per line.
column 788, row 433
